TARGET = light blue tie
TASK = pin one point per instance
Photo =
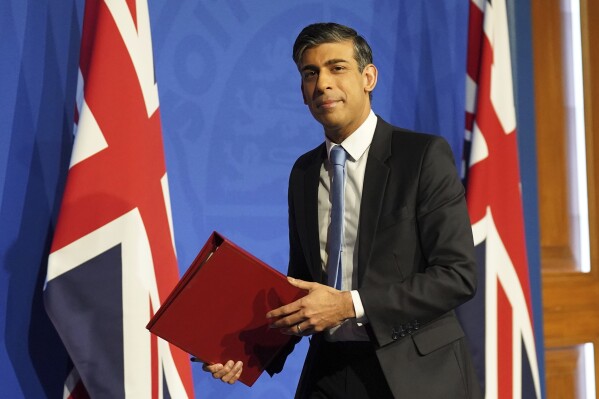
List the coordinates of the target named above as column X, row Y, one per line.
column 335, row 238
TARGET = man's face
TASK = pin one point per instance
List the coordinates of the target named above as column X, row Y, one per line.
column 336, row 92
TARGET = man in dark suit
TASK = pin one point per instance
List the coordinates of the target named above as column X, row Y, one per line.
column 407, row 254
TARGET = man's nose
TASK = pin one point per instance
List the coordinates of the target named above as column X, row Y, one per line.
column 324, row 81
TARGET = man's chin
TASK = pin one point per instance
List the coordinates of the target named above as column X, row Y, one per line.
column 327, row 119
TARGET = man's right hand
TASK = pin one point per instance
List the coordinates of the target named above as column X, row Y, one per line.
column 229, row 372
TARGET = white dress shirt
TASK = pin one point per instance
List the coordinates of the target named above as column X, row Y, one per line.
column 357, row 146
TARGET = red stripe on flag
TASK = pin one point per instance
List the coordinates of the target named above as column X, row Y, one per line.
column 133, row 11
column 475, row 30
column 91, row 21
column 79, row 392
column 469, row 121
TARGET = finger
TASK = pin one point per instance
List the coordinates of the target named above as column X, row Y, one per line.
column 225, row 370
column 289, row 321
column 305, row 285
column 293, row 330
column 238, row 374
column 234, row 374
column 212, row 368
column 297, row 330
column 301, row 332
column 284, row 310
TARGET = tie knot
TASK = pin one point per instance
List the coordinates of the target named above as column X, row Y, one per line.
column 338, row 155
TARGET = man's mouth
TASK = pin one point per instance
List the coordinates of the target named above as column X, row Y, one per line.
column 327, row 104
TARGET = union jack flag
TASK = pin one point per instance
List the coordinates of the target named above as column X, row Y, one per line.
column 113, row 258
column 504, row 347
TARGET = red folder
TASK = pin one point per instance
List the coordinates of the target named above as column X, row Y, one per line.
column 217, row 312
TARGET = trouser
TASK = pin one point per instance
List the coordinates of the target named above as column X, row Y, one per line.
column 347, row 370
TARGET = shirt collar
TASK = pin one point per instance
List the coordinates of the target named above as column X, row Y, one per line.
column 358, row 142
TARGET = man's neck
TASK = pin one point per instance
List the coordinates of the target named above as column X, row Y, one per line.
column 338, row 135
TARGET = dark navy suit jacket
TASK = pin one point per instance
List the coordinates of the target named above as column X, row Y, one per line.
column 415, row 261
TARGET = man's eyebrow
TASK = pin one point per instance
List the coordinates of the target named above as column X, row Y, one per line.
column 333, row 61
column 309, row 67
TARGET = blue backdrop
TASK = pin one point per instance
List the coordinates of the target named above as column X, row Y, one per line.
column 233, row 124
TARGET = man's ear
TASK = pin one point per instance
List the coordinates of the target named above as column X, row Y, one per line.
column 370, row 74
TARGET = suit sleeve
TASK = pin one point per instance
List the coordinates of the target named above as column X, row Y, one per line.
column 435, row 259
column 297, row 269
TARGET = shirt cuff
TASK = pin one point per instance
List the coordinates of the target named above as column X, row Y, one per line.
column 358, row 308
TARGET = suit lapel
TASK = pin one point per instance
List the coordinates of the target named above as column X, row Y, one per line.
column 373, row 192
column 310, row 202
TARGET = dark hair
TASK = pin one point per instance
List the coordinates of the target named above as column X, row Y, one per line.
column 329, row 32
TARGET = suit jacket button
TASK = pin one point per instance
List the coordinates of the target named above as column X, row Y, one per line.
column 402, row 331
column 394, row 335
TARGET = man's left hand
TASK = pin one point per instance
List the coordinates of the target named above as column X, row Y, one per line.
column 323, row 308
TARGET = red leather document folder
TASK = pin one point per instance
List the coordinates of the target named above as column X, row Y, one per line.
column 217, row 311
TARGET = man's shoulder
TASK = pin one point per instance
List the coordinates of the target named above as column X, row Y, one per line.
column 315, row 155
column 401, row 133
column 399, row 137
